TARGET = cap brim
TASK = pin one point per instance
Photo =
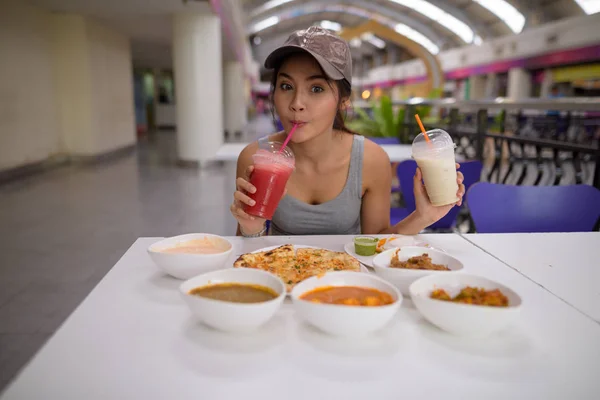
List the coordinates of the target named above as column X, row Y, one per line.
column 275, row 57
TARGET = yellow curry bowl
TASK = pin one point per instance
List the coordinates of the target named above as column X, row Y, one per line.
column 348, row 318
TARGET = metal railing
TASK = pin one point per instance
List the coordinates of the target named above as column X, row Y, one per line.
column 530, row 141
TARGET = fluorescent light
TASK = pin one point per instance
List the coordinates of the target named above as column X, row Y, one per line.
column 417, row 37
column 440, row 16
column 374, row 40
column 506, row 12
column 267, row 6
column 264, row 24
column 356, row 42
column 589, row 6
column 318, row 7
column 330, row 25
column 477, row 40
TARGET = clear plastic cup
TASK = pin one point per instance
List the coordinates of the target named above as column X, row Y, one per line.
column 271, row 173
column 437, row 162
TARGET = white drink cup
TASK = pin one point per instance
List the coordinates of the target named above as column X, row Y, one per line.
column 438, row 164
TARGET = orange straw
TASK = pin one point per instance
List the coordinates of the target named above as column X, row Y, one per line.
column 422, row 127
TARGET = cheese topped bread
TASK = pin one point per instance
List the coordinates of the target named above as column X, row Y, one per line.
column 294, row 265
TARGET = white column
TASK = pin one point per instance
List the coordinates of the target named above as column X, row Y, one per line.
column 519, row 83
column 491, row 87
column 198, row 81
column 477, row 87
column 234, row 96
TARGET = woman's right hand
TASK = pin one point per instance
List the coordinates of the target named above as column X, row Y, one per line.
column 249, row 224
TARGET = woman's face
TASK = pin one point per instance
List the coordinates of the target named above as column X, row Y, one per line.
column 303, row 96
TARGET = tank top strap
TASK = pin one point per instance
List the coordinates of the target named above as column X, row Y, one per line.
column 356, row 166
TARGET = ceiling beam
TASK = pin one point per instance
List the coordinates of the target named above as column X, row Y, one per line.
column 294, row 10
column 478, row 28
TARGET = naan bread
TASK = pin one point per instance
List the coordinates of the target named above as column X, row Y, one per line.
column 329, row 260
column 293, row 266
column 266, row 260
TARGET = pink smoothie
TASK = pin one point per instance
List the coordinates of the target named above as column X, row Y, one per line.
column 269, row 178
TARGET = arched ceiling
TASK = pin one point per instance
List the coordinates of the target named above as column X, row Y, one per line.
column 444, row 23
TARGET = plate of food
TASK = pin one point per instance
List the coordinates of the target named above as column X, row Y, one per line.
column 402, row 266
column 464, row 304
column 294, row 263
column 365, row 248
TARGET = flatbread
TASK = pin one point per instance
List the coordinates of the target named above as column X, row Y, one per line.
column 266, row 260
column 321, row 260
column 293, row 266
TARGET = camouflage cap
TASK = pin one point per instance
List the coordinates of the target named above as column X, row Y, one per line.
column 331, row 52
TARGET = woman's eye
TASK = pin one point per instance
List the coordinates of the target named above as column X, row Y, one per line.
column 317, row 89
column 285, row 86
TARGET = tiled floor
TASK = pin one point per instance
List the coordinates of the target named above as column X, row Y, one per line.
column 60, row 233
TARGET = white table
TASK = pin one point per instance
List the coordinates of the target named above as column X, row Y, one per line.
column 567, row 264
column 403, row 152
column 133, row 338
column 230, row 151
column 396, row 152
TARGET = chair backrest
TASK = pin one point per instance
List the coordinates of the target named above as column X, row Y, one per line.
column 506, row 208
column 406, row 171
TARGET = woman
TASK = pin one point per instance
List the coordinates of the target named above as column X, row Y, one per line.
column 342, row 183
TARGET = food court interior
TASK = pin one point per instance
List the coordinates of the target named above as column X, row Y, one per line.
column 124, row 119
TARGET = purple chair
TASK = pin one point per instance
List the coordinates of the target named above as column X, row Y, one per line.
column 406, row 171
column 506, row 208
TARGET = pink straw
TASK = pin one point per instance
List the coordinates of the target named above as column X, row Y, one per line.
column 287, row 139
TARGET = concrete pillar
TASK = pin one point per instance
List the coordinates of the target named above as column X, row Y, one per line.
column 234, row 96
column 491, row 86
column 198, row 79
column 477, row 87
column 519, row 83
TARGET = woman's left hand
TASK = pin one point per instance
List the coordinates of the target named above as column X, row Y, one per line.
column 427, row 211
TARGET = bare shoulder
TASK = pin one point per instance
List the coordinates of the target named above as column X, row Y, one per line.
column 246, row 153
column 375, row 158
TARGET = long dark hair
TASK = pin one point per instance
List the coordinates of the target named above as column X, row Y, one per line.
column 344, row 93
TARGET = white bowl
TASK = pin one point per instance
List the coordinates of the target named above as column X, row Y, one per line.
column 402, row 278
column 185, row 266
column 228, row 316
column 463, row 319
column 341, row 320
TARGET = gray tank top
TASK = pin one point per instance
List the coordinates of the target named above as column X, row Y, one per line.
column 340, row 216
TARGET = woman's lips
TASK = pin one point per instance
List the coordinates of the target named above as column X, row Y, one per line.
column 299, row 123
